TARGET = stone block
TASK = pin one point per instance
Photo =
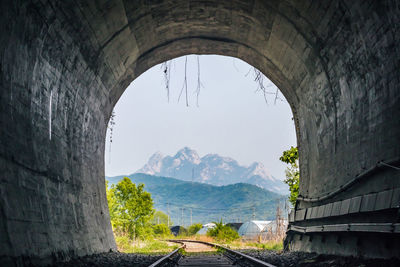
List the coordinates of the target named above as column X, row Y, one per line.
column 383, row 200
column 309, row 213
column 355, row 204
column 291, row 216
column 368, row 202
column 336, row 208
column 328, row 209
column 320, row 211
column 344, row 208
column 395, row 203
column 300, row 215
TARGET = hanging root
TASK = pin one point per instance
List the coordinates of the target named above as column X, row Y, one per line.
column 184, row 87
column 259, row 79
column 166, row 67
column 199, row 83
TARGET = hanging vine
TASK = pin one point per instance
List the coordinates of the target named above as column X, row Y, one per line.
column 258, row 77
column 184, row 87
column 199, row 83
column 166, row 66
column 265, row 90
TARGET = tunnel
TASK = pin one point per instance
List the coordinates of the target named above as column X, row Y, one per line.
column 64, row 65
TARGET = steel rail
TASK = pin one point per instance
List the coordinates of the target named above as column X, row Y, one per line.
column 167, row 257
column 237, row 254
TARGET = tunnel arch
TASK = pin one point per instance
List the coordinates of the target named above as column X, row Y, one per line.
column 181, row 42
column 65, row 64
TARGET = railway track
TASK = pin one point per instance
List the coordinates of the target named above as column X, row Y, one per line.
column 228, row 257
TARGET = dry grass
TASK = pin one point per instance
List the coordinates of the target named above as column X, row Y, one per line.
column 124, row 244
column 275, row 244
column 204, row 238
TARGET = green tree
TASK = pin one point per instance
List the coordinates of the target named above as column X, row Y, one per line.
column 112, row 204
column 292, row 172
column 131, row 208
column 223, row 232
column 160, row 217
column 183, row 232
column 194, row 228
column 162, row 230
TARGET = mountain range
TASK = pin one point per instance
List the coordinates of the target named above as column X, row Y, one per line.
column 199, row 202
column 212, row 169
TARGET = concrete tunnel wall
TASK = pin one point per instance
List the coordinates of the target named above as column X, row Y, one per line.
column 64, row 65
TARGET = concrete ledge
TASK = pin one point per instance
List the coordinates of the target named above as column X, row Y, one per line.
column 388, row 199
column 351, row 227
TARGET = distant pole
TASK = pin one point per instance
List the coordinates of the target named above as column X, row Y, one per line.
column 286, row 208
column 191, row 216
column 254, row 213
column 278, row 211
column 278, row 218
column 158, row 219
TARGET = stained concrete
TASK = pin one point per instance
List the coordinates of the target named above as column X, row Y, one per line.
column 64, row 65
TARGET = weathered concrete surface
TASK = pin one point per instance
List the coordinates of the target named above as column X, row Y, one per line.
column 64, row 65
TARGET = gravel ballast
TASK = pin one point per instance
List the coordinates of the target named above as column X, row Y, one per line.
column 111, row 259
column 311, row 259
column 276, row 258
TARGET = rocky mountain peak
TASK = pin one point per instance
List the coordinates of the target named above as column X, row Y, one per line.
column 257, row 168
column 188, row 154
column 154, row 164
column 212, row 169
column 156, row 157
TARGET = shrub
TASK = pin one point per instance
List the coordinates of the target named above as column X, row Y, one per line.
column 223, row 232
column 182, row 232
column 144, row 232
column 161, row 231
column 124, row 243
column 292, row 172
column 194, row 228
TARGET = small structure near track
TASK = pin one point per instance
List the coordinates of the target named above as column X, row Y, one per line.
column 235, row 226
column 177, row 229
column 275, row 230
column 205, row 228
column 252, row 230
column 263, row 230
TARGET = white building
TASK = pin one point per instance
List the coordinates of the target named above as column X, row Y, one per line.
column 205, row 228
column 252, row 230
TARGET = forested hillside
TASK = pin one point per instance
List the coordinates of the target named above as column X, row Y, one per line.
column 237, row 202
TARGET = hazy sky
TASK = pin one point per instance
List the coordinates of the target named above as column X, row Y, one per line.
column 231, row 120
